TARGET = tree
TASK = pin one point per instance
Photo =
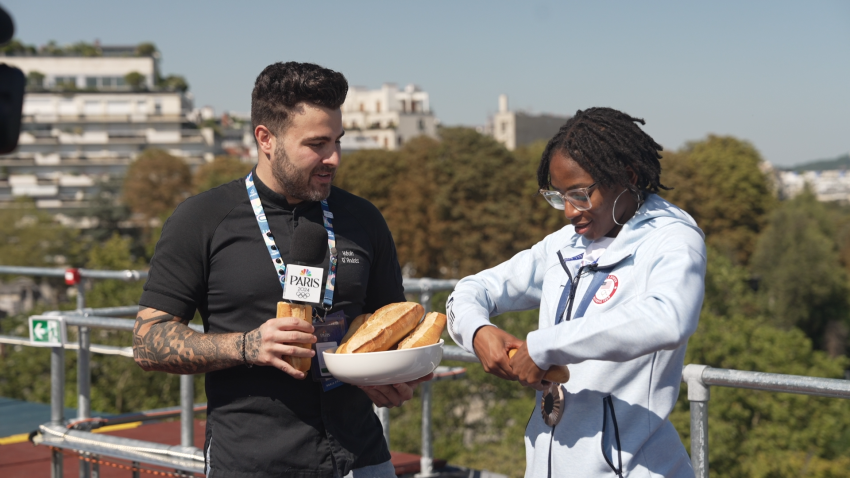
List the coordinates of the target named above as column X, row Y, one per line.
column 146, row 49
column 31, row 237
column 156, row 182
column 35, row 80
column 17, row 48
column 802, row 281
column 762, row 434
column 174, row 83
column 718, row 181
column 135, row 80
column 83, row 49
column 221, row 170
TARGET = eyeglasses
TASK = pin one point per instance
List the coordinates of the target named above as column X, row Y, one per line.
column 579, row 198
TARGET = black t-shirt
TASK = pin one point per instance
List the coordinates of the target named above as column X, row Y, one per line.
column 212, row 258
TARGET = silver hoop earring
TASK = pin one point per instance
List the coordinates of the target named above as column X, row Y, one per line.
column 615, row 208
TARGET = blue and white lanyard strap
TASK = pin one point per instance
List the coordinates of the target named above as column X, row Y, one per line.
column 268, row 238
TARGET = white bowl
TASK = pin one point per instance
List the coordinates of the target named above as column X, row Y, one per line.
column 384, row 368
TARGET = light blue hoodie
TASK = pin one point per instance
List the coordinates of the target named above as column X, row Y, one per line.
column 625, row 352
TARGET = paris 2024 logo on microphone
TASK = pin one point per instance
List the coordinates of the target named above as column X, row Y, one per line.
column 304, row 284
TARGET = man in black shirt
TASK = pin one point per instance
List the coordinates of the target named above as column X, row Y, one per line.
column 271, row 419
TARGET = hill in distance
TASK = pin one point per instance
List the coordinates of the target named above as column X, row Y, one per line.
column 841, row 162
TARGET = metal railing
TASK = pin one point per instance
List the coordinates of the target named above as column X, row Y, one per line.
column 186, row 457
column 699, row 379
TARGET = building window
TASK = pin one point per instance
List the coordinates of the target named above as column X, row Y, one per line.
column 421, row 124
column 378, row 107
column 66, row 81
column 412, row 106
column 400, row 141
column 361, row 107
column 91, row 82
column 504, row 126
column 404, row 106
column 386, row 142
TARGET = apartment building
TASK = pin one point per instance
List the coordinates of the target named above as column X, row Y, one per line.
column 83, row 124
column 387, row 117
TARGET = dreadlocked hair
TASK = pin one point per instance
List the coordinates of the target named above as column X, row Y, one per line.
column 604, row 141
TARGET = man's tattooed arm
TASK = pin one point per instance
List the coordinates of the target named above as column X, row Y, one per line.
column 165, row 343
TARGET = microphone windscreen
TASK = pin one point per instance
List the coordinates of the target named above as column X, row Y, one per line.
column 309, row 243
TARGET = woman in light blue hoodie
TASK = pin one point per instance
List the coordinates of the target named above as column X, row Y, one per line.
column 619, row 292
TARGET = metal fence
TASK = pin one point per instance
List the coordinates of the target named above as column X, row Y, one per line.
column 699, row 379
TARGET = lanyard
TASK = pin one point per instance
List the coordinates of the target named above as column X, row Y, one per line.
column 268, row 238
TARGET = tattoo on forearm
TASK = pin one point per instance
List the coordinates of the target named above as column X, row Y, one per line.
column 252, row 345
column 166, row 343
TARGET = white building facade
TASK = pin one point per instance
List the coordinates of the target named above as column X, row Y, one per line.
column 516, row 128
column 387, row 117
column 84, row 125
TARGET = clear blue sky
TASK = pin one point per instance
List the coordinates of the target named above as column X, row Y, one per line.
column 775, row 73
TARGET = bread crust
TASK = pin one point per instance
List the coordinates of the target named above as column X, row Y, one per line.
column 305, row 313
column 384, row 329
column 428, row 332
column 355, row 325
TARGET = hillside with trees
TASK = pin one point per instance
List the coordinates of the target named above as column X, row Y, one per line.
column 776, row 292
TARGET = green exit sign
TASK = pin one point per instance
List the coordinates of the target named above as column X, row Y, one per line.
column 47, row 331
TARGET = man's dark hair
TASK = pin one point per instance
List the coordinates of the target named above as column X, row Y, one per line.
column 281, row 86
column 603, row 141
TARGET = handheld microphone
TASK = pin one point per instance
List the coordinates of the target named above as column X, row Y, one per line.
column 309, row 243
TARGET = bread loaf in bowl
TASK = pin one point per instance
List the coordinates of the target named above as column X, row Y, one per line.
column 383, row 329
column 426, row 333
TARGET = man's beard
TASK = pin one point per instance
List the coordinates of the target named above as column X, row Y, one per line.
column 296, row 182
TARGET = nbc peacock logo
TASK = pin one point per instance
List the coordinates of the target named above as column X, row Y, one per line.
column 306, row 273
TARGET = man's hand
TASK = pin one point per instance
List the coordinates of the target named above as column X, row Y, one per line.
column 267, row 344
column 491, row 345
column 527, row 372
column 389, row 396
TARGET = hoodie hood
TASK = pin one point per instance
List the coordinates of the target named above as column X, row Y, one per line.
column 654, row 214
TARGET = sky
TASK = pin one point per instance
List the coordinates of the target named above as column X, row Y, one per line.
column 774, row 73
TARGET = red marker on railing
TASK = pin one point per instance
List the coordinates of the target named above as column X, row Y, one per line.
column 72, row 276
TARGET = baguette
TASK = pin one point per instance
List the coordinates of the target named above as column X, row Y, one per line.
column 426, row 333
column 355, row 324
column 384, row 329
column 556, row 373
column 305, row 313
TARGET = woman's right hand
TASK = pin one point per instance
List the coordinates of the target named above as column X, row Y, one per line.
column 491, row 345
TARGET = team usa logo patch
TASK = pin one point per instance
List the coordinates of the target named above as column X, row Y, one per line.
column 607, row 290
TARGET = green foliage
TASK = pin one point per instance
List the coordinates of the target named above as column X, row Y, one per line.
column 455, row 206
column 135, row 80
column 478, row 421
column 35, row 80
column 718, row 181
column 156, row 182
column 797, row 260
column 760, row 433
column 31, row 237
column 83, row 49
column 173, row 83
column 146, row 49
column 222, row 169
column 17, row 48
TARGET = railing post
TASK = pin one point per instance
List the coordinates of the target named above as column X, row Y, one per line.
column 426, row 462
column 384, row 418
column 57, row 403
column 187, row 410
column 83, row 371
column 698, row 395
